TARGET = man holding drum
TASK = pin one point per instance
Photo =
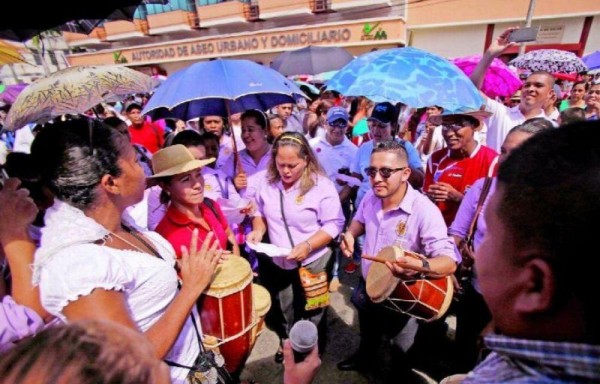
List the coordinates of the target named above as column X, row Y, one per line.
column 393, row 213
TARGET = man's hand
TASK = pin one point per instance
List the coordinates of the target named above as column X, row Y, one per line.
column 501, row 44
column 303, row 372
column 347, row 245
column 17, row 212
column 442, row 192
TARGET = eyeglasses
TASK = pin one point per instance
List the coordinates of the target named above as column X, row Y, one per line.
column 339, row 124
column 383, row 172
column 454, row 127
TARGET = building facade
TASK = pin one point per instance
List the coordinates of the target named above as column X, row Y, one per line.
column 165, row 38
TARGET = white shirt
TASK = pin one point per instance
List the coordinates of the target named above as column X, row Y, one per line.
column 503, row 119
column 334, row 157
column 69, row 264
column 23, row 139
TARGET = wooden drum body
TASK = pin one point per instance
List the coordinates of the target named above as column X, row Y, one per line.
column 262, row 304
column 427, row 299
column 226, row 311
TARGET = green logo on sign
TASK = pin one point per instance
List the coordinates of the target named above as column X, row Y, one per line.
column 118, row 58
column 372, row 32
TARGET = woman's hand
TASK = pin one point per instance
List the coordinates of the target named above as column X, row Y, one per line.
column 198, row 266
column 240, row 181
column 254, row 236
column 300, row 252
column 17, row 212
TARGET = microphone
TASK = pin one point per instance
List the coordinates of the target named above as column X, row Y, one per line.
column 303, row 338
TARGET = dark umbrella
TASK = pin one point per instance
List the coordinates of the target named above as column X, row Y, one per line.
column 20, row 24
column 311, row 60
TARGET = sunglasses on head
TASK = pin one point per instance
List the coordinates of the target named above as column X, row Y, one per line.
column 383, row 172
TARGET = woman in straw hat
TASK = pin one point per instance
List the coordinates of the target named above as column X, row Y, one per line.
column 93, row 265
column 180, row 176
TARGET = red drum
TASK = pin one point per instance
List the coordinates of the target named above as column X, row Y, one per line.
column 426, row 299
column 226, row 311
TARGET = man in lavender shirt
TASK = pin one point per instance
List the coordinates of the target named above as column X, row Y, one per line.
column 394, row 213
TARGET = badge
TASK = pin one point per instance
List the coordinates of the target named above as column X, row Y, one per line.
column 207, row 187
column 401, row 228
column 299, row 199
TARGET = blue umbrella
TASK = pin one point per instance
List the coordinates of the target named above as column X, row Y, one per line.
column 412, row 76
column 220, row 88
column 592, row 60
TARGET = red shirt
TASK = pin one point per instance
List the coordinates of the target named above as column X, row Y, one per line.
column 177, row 228
column 459, row 173
column 150, row 135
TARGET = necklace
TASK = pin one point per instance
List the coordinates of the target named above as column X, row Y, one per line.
column 127, row 242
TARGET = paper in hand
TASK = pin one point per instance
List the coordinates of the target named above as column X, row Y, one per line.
column 351, row 180
column 269, row 249
column 233, row 209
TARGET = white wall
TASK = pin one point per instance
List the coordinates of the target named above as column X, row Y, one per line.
column 451, row 42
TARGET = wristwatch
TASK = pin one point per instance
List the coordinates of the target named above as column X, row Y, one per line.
column 426, row 264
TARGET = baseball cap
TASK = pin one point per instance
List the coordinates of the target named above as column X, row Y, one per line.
column 337, row 113
column 383, row 112
column 132, row 105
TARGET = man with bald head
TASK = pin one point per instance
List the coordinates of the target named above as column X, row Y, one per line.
column 535, row 94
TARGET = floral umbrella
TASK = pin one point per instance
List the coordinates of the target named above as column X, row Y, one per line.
column 74, row 90
column 549, row 60
column 409, row 75
column 499, row 80
column 9, row 54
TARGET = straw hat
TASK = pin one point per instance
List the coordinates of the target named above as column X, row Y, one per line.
column 174, row 160
column 476, row 115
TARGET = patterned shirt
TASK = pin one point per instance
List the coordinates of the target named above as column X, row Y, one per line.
column 534, row 361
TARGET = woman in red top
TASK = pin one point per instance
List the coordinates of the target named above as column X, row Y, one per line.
column 179, row 175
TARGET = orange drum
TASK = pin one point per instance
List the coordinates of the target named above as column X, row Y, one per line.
column 426, row 299
column 226, row 311
column 262, row 304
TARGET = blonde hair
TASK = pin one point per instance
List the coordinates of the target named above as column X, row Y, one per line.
column 312, row 169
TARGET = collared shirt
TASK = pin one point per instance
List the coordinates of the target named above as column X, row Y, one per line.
column 218, row 185
column 150, row 135
column 318, row 209
column 416, row 224
column 503, row 119
column 515, row 360
column 248, row 164
column 334, row 157
column 177, row 227
column 363, row 160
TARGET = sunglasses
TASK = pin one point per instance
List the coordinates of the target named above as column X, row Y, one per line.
column 383, row 172
column 339, row 124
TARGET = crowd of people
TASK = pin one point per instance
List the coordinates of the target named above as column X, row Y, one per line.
column 112, row 227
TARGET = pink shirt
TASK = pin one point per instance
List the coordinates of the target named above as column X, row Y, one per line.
column 416, row 224
column 318, row 209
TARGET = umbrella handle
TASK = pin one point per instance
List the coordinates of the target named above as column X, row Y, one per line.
column 237, row 164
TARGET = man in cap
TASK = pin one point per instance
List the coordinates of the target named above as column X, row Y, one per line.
column 382, row 126
column 336, row 153
column 536, row 91
column 143, row 132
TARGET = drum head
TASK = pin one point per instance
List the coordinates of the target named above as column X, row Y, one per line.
column 261, row 299
column 232, row 276
column 380, row 280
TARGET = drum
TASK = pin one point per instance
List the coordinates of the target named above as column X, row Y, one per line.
column 262, row 303
column 226, row 311
column 426, row 299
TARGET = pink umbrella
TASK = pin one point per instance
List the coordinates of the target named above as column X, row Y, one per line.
column 500, row 79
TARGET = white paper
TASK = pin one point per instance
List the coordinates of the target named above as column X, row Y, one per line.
column 233, row 209
column 351, row 180
column 269, row 249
